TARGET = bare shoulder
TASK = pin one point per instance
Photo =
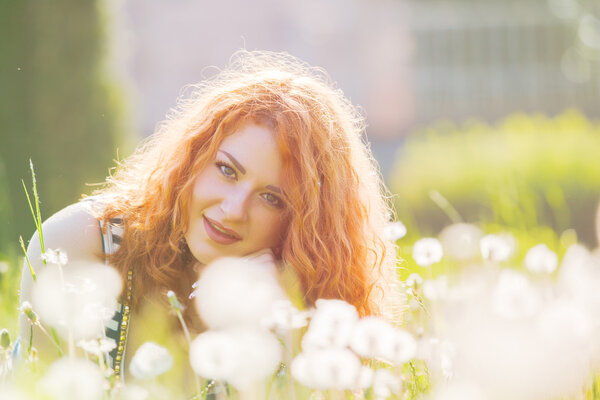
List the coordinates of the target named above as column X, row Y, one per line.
column 73, row 229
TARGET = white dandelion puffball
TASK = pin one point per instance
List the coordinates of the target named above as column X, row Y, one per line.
column 331, row 368
column 394, row 231
column 331, row 326
column 427, row 251
column 497, row 248
column 236, row 291
column 82, row 301
column 150, row 360
column 240, row 356
column 73, row 379
column 413, row 280
column 541, row 260
column 97, row 346
column 461, row 241
column 285, row 317
column 402, row 348
column 56, row 257
column 436, row 289
column 385, row 384
column 514, row 297
column 372, row 337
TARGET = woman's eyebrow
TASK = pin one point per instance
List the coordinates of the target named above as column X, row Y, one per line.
column 234, row 162
column 273, row 188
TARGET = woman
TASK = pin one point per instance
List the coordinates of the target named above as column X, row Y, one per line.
column 266, row 158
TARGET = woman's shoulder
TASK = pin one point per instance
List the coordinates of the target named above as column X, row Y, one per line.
column 74, row 229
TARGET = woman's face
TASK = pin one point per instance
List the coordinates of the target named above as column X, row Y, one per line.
column 236, row 207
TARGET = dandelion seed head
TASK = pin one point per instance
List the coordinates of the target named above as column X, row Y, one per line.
column 73, row 379
column 514, row 297
column 233, row 292
column 285, row 317
column 541, row 260
column 372, row 337
column 331, row 325
column 385, row 384
column 3, row 267
column 402, row 348
column 461, row 241
column 82, row 300
column 240, row 356
column 55, row 256
column 414, row 280
column 365, row 377
column 330, row 368
column 98, row 346
column 150, row 360
column 497, row 248
column 394, row 231
column 427, row 251
column 436, row 289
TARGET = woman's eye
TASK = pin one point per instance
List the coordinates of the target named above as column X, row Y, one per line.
column 226, row 170
column 273, row 200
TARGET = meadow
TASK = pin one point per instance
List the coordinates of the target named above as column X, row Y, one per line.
column 499, row 269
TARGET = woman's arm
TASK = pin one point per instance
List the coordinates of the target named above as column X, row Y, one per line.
column 73, row 230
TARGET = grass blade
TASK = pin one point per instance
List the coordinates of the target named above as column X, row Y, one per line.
column 27, row 258
column 38, row 216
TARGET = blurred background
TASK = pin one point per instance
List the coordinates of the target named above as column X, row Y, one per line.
column 482, row 111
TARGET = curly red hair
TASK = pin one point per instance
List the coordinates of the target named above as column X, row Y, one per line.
column 335, row 197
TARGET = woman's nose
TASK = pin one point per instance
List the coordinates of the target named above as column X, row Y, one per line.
column 234, row 205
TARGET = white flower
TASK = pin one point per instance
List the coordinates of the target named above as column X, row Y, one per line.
column 394, row 231
column 150, row 360
column 213, row 355
column 402, row 348
column 80, row 299
column 284, row 317
column 365, row 377
column 514, row 297
column 3, row 267
column 235, row 291
column 427, row 251
column 497, row 248
column 97, row 346
column 371, row 337
column 57, row 257
column 385, row 384
column 436, row 289
column 540, row 259
column 461, row 241
column 73, row 379
column 239, row 356
column 331, row 325
column 413, row 280
column 332, row 368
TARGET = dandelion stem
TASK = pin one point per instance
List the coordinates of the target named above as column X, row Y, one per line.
column 27, row 259
column 176, row 305
column 51, row 337
column 445, row 206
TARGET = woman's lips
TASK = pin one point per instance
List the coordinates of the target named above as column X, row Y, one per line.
column 218, row 233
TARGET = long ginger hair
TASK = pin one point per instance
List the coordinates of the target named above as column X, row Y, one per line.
column 336, row 204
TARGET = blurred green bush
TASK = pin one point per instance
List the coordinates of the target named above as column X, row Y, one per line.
column 58, row 107
column 528, row 171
